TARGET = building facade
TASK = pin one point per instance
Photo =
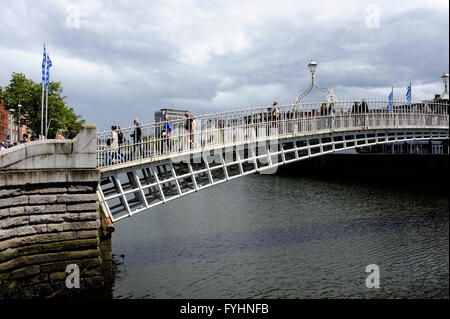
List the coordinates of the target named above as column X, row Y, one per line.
column 4, row 121
column 172, row 113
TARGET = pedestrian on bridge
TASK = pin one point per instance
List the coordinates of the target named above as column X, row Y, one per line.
column 113, row 152
column 275, row 118
column 60, row 135
column 120, row 140
column 331, row 113
column 72, row 133
column 365, row 111
column 137, row 139
column 189, row 129
column 357, row 111
column 323, row 114
column 166, row 134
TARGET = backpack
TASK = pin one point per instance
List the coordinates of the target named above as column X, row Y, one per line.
column 120, row 137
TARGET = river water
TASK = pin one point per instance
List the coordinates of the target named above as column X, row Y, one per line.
column 288, row 236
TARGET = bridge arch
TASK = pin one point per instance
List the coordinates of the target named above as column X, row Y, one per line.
column 136, row 187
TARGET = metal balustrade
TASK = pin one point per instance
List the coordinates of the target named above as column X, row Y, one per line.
column 138, row 176
column 252, row 125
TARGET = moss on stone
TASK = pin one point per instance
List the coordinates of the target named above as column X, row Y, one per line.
column 49, row 247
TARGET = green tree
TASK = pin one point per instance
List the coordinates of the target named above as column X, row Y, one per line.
column 29, row 94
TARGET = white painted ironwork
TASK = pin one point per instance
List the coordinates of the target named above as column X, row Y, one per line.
column 226, row 145
column 331, row 97
column 445, row 77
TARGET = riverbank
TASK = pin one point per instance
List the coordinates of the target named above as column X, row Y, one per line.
column 388, row 167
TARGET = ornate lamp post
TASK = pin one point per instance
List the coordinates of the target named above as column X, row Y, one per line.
column 445, row 80
column 330, row 93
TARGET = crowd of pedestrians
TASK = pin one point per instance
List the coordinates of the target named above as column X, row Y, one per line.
column 185, row 134
column 61, row 134
column 119, row 150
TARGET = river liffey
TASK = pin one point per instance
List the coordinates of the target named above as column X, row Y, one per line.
column 287, row 236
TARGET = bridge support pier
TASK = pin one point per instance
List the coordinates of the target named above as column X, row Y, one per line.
column 50, row 218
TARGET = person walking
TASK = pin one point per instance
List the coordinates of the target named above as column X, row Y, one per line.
column 189, row 129
column 60, row 135
column 275, row 117
column 120, row 140
column 137, row 139
column 113, row 152
column 356, row 111
column 323, row 113
column 72, row 133
column 365, row 113
column 166, row 134
column 331, row 113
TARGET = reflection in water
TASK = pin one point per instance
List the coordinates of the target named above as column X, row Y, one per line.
column 281, row 236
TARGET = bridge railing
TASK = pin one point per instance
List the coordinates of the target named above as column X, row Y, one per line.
column 252, row 124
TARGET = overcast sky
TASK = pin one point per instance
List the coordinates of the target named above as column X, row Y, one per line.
column 118, row 59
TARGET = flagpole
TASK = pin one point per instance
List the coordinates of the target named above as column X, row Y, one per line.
column 47, row 84
column 46, row 97
column 46, row 111
column 42, row 112
column 43, row 88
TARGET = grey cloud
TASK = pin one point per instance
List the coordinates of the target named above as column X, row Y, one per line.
column 127, row 38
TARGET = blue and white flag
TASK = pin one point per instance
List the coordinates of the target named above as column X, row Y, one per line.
column 391, row 97
column 408, row 95
column 49, row 64
column 44, row 61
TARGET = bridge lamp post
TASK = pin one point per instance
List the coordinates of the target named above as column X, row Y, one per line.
column 312, row 67
column 330, row 93
column 445, row 80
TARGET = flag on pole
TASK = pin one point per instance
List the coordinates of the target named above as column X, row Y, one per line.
column 408, row 95
column 391, row 97
column 44, row 61
column 49, row 64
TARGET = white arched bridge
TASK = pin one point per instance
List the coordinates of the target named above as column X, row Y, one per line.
column 151, row 168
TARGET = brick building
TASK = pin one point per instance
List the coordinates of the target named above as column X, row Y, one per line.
column 3, row 121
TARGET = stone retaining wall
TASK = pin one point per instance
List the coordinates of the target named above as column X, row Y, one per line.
column 49, row 217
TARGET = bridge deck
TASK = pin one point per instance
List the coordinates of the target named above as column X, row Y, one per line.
column 138, row 176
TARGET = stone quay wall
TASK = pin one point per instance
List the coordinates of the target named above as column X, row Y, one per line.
column 50, row 217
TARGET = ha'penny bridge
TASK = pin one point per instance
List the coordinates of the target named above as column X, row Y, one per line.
column 59, row 199
column 138, row 176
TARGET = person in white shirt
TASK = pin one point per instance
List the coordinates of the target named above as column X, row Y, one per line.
column 113, row 143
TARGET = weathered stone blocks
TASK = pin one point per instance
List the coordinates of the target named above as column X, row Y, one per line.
column 49, row 215
column 13, row 201
column 41, row 199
